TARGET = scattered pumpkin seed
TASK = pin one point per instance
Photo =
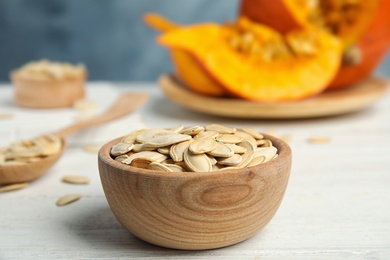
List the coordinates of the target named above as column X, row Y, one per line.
column 67, row 199
column 76, row 179
column 12, row 187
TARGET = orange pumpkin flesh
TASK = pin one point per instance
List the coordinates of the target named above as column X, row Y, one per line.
column 261, row 78
column 187, row 67
column 344, row 18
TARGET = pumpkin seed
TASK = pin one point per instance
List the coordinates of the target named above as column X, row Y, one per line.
column 197, row 162
column 149, row 155
column 65, row 200
column 174, row 167
column 267, row 152
column 206, row 134
column 253, row 133
column 131, row 138
column 221, row 129
column 166, row 139
column 229, row 139
column 141, row 147
column 318, row 140
column 156, row 166
column 221, row 150
column 5, row 115
column 164, row 150
column 236, row 148
column 196, row 148
column 233, row 160
column 141, row 163
column 193, row 130
column 15, row 186
column 177, row 150
column 256, row 160
column 247, row 145
column 121, row 148
column 203, row 145
column 150, row 133
column 92, row 148
column 76, row 179
column 246, row 159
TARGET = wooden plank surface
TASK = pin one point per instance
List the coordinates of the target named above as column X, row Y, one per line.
column 336, row 205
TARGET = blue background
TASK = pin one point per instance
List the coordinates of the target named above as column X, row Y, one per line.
column 108, row 36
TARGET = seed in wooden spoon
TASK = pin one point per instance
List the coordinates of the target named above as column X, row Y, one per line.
column 12, row 187
column 76, row 179
column 65, row 200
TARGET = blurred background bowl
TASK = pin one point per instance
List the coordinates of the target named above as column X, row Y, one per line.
column 47, row 93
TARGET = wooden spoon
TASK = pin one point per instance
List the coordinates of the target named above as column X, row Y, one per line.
column 125, row 104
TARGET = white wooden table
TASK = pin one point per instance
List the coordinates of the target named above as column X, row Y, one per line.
column 337, row 204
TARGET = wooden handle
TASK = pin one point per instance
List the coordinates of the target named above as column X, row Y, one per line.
column 125, row 104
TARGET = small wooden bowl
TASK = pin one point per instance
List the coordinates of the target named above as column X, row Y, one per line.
column 192, row 210
column 47, row 93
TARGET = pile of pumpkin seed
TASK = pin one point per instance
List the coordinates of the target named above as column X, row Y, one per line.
column 196, row 149
column 30, row 150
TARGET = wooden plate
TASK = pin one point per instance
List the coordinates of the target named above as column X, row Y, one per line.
column 330, row 103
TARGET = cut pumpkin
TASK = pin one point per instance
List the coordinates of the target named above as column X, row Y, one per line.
column 189, row 70
column 373, row 46
column 345, row 19
column 254, row 62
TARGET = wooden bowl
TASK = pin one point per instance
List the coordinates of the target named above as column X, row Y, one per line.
column 47, row 93
column 192, row 210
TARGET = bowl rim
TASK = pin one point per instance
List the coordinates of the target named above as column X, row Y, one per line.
column 284, row 154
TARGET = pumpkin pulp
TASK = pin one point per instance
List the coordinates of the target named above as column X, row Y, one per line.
column 346, row 19
column 255, row 62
